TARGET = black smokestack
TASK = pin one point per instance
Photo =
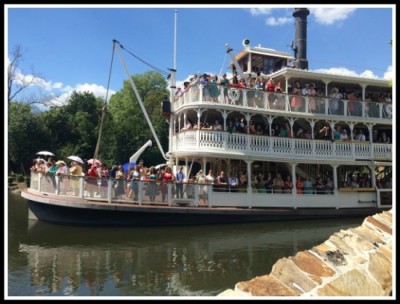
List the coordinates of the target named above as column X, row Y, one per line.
column 300, row 15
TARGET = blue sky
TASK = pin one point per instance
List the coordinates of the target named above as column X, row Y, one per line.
column 70, row 47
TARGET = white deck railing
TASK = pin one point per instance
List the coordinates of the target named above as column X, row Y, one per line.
column 103, row 190
column 274, row 102
column 279, row 147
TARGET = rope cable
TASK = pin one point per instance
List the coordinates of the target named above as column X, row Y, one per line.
column 104, row 109
column 145, row 62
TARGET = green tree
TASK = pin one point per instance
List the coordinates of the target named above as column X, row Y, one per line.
column 128, row 129
column 73, row 127
column 26, row 135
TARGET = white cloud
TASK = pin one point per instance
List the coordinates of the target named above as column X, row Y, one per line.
column 346, row 72
column 272, row 21
column 328, row 16
column 388, row 75
column 260, row 11
column 97, row 90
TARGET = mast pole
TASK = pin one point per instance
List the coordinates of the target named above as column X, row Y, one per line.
column 172, row 88
column 237, row 66
column 140, row 102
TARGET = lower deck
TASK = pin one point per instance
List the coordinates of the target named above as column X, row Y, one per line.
column 190, row 194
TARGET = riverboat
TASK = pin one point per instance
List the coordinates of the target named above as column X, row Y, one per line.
column 306, row 145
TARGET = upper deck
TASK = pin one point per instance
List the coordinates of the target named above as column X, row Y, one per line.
column 246, row 99
column 197, row 104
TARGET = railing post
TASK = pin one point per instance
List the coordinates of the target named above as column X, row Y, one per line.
column 40, row 182
column 110, row 190
column 57, row 184
column 169, row 194
column 81, row 187
column 201, row 92
column 140, row 191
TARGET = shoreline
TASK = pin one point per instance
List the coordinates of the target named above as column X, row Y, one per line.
column 351, row 263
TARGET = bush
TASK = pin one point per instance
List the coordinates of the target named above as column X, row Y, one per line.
column 11, row 180
column 28, row 181
column 20, row 178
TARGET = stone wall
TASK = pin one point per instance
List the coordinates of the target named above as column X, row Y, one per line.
column 352, row 263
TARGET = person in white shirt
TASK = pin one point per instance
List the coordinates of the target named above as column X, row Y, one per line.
column 359, row 136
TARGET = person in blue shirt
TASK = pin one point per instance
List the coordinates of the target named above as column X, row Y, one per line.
column 179, row 178
column 233, row 183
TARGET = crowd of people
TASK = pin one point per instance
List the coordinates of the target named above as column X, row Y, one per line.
column 126, row 183
column 258, row 84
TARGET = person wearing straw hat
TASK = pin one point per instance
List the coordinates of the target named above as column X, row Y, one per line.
column 76, row 175
column 201, row 179
column 60, row 174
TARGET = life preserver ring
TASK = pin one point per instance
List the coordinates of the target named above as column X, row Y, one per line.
column 234, row 94
column 388, row 109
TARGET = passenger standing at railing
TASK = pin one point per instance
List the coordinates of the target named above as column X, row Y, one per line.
column 308, row 186
column 134, row 184
column 76, row 174
column 320, row 101
column 329, row 186
column 243, row 180
column 209, row 180
column 201, row 179
column 270, row 88
column 335, row 97
column 287, row 188
column 221, row 182
column 279, row 101
column 319, row 186
column 167, row 177
column 233, row 183
column 119, row 186
column 179, row 178
column 311, row 98
column 299, row 185
column 204, row 80
column 297, row 101
column 52, row 172
column 213, row 89
column 269, row 183
column 152, row 190
column 278, row 183
column 259, row 86
column 224, row 82
column 235, row 79
column 352, row 105
column 62, row 174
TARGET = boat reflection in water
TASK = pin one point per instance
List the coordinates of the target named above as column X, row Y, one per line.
column 177, row 261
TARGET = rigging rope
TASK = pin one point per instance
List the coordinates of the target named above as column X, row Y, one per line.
column 223, row 64
column 104, row 109
column 142, row 60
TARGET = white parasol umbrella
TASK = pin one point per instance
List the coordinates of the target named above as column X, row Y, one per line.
column 96, row 161
column 76, row 158
column 45, row 153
